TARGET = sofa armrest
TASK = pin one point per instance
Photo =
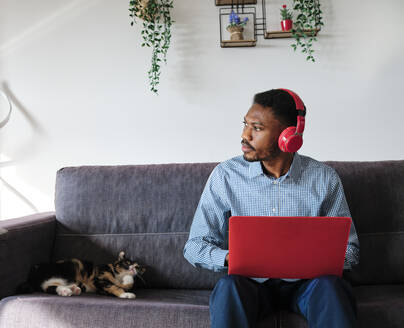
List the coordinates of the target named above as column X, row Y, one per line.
column 23, row 242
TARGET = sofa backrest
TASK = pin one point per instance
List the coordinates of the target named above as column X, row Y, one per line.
column 375, row 195
column 147, row 211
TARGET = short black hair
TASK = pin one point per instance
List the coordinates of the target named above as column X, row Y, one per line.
column 282, row 104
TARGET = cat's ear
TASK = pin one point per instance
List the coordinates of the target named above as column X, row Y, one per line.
column 121, row 255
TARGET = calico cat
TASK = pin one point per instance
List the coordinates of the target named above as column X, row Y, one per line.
column 72, row 277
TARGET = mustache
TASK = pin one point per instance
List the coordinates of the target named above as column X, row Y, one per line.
column 245, row 143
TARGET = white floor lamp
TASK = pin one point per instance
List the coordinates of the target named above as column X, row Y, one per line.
column 7, row 118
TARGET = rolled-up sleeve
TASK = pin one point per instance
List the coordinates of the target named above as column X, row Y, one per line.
column 206, row 242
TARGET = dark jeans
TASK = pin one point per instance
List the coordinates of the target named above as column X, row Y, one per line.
column 325, row 302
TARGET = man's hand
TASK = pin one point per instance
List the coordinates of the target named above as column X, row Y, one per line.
column 226, row 261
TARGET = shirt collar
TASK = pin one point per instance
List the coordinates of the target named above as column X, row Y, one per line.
column 255, row 168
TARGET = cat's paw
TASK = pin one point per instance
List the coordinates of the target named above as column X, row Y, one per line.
column 76, row 290
column 63, row 291
column 127, row 295
column 127, row 280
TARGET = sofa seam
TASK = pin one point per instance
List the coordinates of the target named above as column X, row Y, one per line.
column 120, row 234
column 186, row 232
column 381, row 233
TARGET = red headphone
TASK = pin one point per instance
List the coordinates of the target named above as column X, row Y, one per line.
column 291, row 139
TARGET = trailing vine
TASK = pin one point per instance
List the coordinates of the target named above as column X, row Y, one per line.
column 307, row 21
column 156, row 32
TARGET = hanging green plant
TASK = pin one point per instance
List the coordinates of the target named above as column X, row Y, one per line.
column 306, row 25
column 156, row 32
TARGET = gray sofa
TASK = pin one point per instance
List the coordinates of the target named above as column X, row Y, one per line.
column 147, row 211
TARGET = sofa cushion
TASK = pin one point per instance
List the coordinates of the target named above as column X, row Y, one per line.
column 288, row 319
column 374, row 192
column 380, row 306
column 129, row 199
column 151, row 308
column 145, row 210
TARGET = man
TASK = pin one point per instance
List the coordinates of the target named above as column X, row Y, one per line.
column 267, row 181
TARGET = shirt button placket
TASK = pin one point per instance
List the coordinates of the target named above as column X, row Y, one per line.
column 278, row 195
column 274, row 209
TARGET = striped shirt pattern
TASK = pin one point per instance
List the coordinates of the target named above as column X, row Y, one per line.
column 240, row 188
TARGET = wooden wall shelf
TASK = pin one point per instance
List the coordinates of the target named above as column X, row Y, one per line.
column 235, row 2
column 241, row 43
column 282, row 34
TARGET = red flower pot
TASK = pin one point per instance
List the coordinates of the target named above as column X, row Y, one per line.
column 286, row 25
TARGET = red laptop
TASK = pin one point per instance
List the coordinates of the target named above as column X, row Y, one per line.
column 287, row 247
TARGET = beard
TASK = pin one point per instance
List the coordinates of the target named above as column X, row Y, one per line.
column 268, row 155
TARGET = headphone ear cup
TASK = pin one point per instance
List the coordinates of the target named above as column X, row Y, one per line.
column 288, row 141
column 284, row 136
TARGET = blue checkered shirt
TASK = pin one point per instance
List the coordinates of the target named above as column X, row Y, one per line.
column 240, row 188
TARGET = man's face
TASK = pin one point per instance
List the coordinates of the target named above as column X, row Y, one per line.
column 260, row 134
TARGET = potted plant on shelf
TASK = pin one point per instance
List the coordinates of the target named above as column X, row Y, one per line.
column 286, row 22
column 236, row 26
column 156, row 32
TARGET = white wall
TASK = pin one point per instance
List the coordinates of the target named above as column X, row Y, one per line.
column 77, row 77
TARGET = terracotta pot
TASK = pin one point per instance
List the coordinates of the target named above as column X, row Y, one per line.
column 286, row 25
column 236, row 32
